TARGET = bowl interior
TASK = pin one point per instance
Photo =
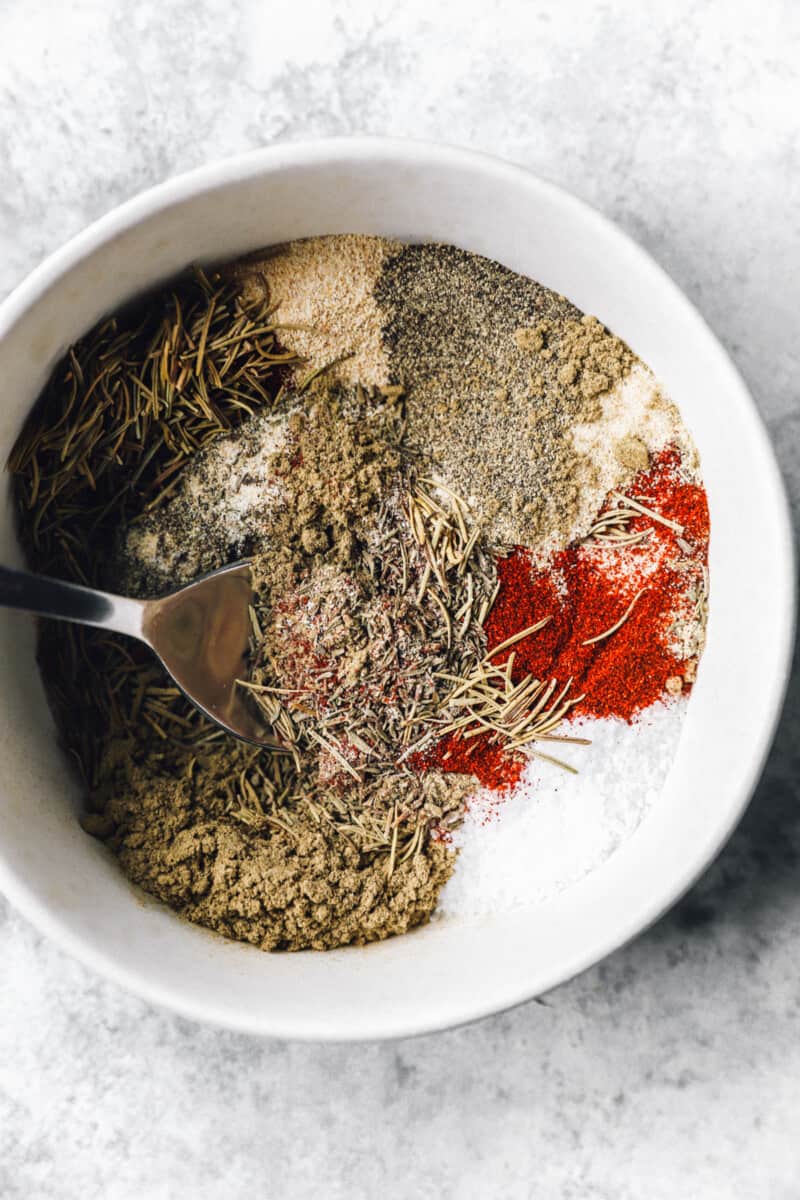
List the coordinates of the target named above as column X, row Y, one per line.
column 454, row 969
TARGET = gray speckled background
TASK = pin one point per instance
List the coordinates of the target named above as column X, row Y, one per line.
column 671, row 1070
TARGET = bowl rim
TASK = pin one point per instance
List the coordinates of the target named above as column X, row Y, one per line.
column 346, row 150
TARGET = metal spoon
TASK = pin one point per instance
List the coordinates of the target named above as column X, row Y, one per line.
column 200, row 632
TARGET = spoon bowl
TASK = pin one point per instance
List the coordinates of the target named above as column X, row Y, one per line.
column 200, row 633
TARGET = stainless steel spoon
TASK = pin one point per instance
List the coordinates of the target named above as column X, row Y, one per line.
column 200, row 632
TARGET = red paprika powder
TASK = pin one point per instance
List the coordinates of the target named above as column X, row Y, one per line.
column 490, row 764
column 585, row 590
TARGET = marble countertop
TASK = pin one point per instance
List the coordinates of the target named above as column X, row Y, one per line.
column 673, row 1068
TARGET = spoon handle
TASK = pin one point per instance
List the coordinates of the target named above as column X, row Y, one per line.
column 69, row 602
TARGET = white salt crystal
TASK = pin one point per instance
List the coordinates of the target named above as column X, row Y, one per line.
column 522, row 847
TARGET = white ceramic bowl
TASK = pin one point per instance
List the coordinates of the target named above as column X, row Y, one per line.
column 453, row 970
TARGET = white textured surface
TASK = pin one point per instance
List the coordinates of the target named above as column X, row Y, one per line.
column 672, row 1070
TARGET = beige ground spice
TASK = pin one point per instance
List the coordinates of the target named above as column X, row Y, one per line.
column 326, row 306
column 290, row 882
column 342, row 451
column 631, row 452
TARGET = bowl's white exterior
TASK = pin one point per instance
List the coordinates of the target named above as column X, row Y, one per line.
column 451, row 971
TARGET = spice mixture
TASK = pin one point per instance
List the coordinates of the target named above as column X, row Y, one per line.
column 477, row 531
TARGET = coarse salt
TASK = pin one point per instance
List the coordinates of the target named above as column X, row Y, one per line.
column 523, row 847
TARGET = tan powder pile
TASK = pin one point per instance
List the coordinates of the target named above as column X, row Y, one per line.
column 286, row 880
column 326, row 308
column 341, row 454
